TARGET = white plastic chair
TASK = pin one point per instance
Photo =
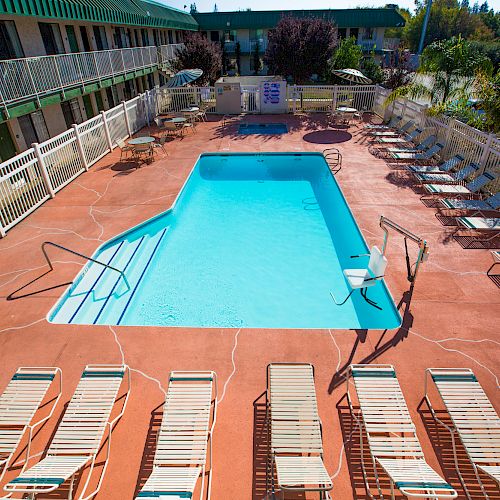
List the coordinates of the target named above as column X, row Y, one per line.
column 365, row 277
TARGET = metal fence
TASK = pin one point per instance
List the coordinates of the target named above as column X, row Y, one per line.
column 34, row 176
column 34, row 77
column 175, row 99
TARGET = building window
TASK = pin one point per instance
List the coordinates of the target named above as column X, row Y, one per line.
column 145, row 37
column 10, row 45
column 252, row 65
column 101, row 40
column 170, row 37
column 342, row 33
column 368, row 35
column 33, row 128
column 214, row 36
column 51, row 37
column 120, row 38
column 230, row 35
column 257, row 34
column 354, row 32
column 71, row 112
column 128, row 90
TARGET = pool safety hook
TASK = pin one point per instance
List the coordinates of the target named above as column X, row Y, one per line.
column 423, row 247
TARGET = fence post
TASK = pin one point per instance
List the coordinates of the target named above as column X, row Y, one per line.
column 106, row 131
column 2, row 231
column 80, row 146
column 43, row 169
column 335, row 97
column 486, row 153
column 127, row 121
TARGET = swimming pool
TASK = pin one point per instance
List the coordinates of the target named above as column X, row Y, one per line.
column 253, row 240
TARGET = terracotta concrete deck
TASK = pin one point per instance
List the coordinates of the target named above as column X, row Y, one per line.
column 452, row 321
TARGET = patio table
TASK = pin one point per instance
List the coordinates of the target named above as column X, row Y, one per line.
column 141, row 140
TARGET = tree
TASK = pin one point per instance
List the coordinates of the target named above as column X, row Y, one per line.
column 347, row 55
column 397, row 32
column 372, row 69
column 399, row 71
column 300, row 47
column 237, row 55
column 199, row 52
column 449, row 68
column 257, row 64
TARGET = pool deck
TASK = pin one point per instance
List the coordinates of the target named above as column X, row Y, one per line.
column 450, row 322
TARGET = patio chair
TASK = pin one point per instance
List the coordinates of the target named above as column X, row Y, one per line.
column 171, row 128
column 189, row 125
column 366, row 277
column 160, row 144
column 124, row 148
column 184, row 436
column 444, row 178
column 474, row 421
column 142, row 152
column 490, row 204
column 79, row 436
column 446, row 166
column 408, row 138
column 391, row 124
column 416, row 155
column 394, row 133
column 295, row 430
column 390, row 432
column 436, row 191
column 19, row 403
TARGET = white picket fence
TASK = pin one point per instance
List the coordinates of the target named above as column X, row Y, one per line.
column 32, row 177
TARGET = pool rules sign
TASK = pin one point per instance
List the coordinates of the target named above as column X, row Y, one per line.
column 273, row 97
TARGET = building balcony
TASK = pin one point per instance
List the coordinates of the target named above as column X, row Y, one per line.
column 246, row 46
column 33, row 79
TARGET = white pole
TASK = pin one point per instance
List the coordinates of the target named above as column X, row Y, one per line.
column 80, row 146
column 43, row 169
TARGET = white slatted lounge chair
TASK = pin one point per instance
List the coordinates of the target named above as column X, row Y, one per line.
column 415, row 155
column 295, row 426
column 489, row 204
column 474, row 419
column 391, row 435
column 79, row 435
column 408, row 138
column 189, row 417
column 436, row 191
column 444, row 178
column 393, row 122
column 422, row 146
column 391, row 133
column 444, row 167
column 19, row 403
column 484, row 229
column 361, row 279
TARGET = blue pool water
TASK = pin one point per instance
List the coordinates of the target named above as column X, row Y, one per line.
column 262, row 128
column 253, row 240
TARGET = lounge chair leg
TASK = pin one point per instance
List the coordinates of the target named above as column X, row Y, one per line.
column 371, row 302
column 480, row 482
column 344, row 301
column 71, row 484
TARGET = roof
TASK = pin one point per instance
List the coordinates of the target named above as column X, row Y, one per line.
column 343, row 18
column 130, row 12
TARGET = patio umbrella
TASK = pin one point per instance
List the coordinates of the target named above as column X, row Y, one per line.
column 184, row 77
column 353, row 75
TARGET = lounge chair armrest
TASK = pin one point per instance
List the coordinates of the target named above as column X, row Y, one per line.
column 374, row 278
column 360, row 255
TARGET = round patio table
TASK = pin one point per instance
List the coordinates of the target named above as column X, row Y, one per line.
column 344, row 109
column 192, row 109
column 178, row 119
column 141, row 140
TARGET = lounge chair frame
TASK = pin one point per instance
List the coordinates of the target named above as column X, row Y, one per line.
column 298, row 450
column 465, row 373
column 26, row 373
column 408, row 447
column 82, row 459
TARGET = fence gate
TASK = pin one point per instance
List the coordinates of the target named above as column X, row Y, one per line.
column 250, row 99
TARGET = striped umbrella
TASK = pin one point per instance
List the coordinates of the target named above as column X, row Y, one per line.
column 353, row 75
column 184, row 77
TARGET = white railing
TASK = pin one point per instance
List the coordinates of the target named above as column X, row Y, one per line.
column 175, row 99
column 246, row 46
column 169, row 52
column 34, row 77
column 34, row 176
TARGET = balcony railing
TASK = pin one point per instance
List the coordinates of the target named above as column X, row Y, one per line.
column 246, row 46
column 35, row 77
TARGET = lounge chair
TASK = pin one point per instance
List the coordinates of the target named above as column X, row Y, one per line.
column 444, row 178
column 444, row 167
column 480, row 227
column 19, row 403
column 296, row 442
column 488, row 205
column 474, row 420
column 417, row 155
column 79, row 436
column 391, row 133
column 408, row 138
column 184, row 436
column 361, row 279
column 391, row 124
column 435, row 191
column 391, row 435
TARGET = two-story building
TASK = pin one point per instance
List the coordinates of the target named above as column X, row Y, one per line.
column 62, row 61
column 250, row 28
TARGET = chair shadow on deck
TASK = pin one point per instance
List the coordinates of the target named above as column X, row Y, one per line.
column 261, row 481
column 380, row 347
column 351, row 434
column 441, row 441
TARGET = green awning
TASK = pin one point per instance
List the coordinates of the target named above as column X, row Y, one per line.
column 129, row 12
column 343, row 18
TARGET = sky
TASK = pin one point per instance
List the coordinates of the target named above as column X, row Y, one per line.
column 230, row 5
